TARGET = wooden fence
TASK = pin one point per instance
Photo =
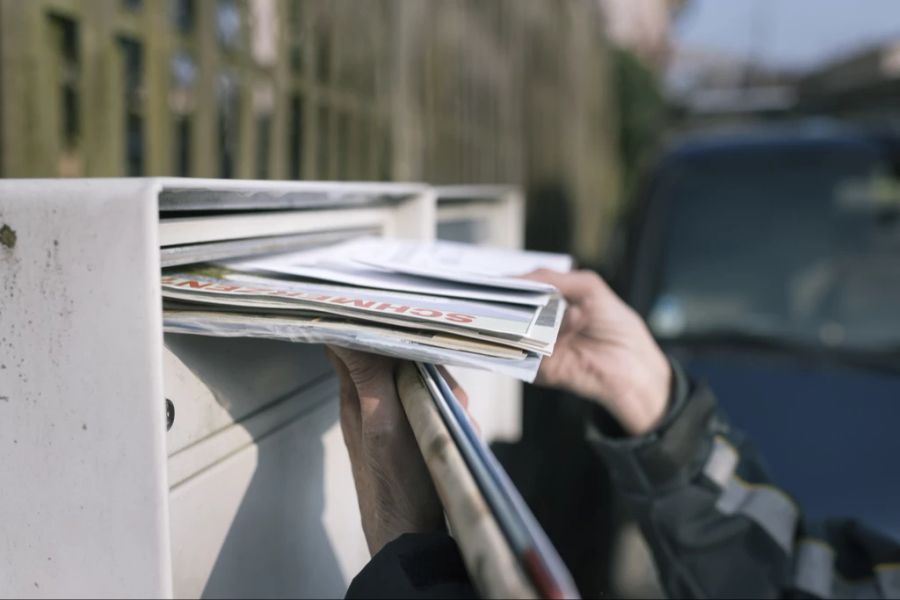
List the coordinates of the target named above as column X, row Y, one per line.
column 445, row 91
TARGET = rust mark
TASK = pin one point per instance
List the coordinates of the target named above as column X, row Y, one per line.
column 8, row 236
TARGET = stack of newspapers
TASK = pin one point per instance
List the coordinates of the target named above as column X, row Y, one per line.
column 433, row 302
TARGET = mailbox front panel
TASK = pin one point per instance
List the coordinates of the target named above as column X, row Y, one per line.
column 82, row 421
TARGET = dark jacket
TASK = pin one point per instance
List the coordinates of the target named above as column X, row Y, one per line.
column 715, row 524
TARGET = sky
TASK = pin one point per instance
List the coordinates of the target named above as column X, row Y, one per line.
column 792, row 34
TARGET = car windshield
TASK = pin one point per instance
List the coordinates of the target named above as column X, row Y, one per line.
column 800, row 243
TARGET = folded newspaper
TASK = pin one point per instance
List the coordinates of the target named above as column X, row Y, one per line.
column 436, row 302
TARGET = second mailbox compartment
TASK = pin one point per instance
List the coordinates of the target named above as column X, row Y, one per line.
column 261, row 497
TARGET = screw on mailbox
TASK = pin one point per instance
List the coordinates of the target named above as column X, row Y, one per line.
column 170, row 414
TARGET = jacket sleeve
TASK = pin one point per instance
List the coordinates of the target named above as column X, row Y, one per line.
column 717, row 527
column 415, row 566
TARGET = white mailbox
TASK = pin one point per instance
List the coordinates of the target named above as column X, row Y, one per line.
column 249, row 492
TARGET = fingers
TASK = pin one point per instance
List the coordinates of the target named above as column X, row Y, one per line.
column 457, row 389
column 361, row 366
column 367, row 371
column 378, row 400
column 575, row 319
column 372, row 376
column 349, row 400
column 460, row 394
column 393, row 485
column 373, row 406
column 576, row 286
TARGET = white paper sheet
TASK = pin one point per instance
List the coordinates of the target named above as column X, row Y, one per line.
column 357, row 338
column 481, row 266
column 353, row 273
column 502, row 319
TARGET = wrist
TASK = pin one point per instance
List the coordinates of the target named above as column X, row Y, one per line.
column 641, row 405
column 391, row 527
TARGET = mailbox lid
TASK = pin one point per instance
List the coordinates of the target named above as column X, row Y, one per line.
column 203, row 211
column 185, row 194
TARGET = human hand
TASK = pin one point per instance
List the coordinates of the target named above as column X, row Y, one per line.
column 393, row 487
column 606, row 353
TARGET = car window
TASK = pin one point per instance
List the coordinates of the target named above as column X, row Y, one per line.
column 801, row 242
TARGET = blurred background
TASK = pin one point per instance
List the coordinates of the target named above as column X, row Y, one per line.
column 565, row 97
column 445, row 91
column 732, row 167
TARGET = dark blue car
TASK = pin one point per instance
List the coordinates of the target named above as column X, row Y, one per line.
column 768, row 261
